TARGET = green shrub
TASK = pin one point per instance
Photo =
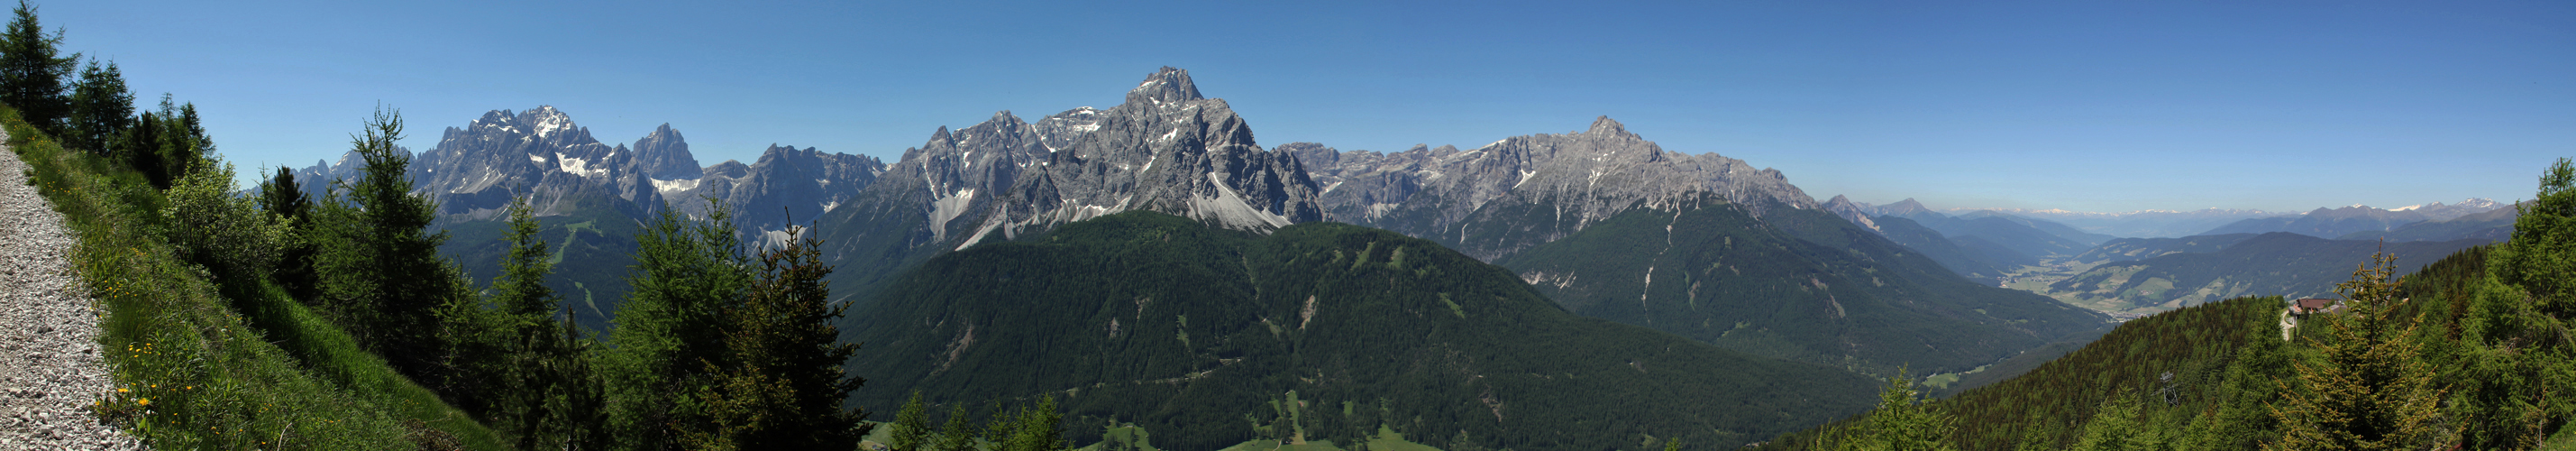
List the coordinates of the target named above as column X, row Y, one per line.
column 229, row 234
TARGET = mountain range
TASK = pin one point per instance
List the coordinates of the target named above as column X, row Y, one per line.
column 1595, row 224
column 2339, row 222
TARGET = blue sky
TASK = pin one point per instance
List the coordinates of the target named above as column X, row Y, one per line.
column 2084, row 105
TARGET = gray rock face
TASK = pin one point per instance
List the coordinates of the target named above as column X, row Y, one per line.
column 786, row 185
column 1166, row 149
column 1575, row 179
column 1856, row 212
column 475, row 171
column 664, row 155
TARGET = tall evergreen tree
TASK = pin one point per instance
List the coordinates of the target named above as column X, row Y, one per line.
column 535, row 360
column 687, row 274
column 957, row 434
column 102, row 108
column 1901, row 424
column 2541, row 257
column 141, row 147
column 911, row 426
column 2372, row 390
column 382, row 276
column 32, row 71
column 782, row 384
column 283, row 196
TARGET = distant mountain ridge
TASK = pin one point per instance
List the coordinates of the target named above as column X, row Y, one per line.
column 1577, row 179
column 2338, row 222
column 2271, row 264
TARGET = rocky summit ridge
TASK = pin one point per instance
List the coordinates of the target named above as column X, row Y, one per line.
column 1579, row 178
column 474, row 171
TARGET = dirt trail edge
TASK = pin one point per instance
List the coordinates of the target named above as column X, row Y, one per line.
column 50, row 369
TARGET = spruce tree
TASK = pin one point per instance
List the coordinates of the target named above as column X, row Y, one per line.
column 285, row 197
column 102, row 108
column 2541, row 257
column 687, row 274
column 32, row 71
column 2372, row 390
column 911, row 426
column 957, row 434
column 783, row 384
column 382, row 276
column 521, row 358
column 141, row 148
column 1900, row 424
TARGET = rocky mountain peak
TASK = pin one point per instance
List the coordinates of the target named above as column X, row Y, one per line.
column 546, row 121
column 664, row 155
column 1606, row 126
column 1907, row 207
column 1857, row 213
column 1167, row 85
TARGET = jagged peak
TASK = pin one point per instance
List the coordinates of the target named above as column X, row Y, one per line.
column 1005, row 117
column 1167, row 85
column 938, row 137
column 548, row 121
column 1606, row 125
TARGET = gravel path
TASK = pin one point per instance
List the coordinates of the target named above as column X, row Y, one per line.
column 50, row 370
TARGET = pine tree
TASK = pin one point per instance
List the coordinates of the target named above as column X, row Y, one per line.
column 911, row 425
column 141, row 148
column 283, row 196
column 533, row 352
column 1899, row 424
column 383, row 278
column 2541, row 257
column 32, row 71
column 1039, row 428
column 783, row 384
column 958, row 434
column 102, row 108
column 2372, row 390
column 687, row 275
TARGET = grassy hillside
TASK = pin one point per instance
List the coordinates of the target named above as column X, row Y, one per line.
column 1319, row 332
column 1798, row 284
column 220, row 364
column 2278, row 263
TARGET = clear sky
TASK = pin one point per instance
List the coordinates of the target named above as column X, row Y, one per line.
column 2081, row 105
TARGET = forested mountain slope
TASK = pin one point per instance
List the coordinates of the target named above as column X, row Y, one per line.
column 1193, row 332
column 1797, row 284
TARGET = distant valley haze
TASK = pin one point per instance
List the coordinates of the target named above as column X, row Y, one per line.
column 2085, row 107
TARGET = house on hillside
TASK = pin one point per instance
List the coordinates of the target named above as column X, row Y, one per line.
column 2305, row 307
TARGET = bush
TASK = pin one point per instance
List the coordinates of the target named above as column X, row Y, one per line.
column 228, row 234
